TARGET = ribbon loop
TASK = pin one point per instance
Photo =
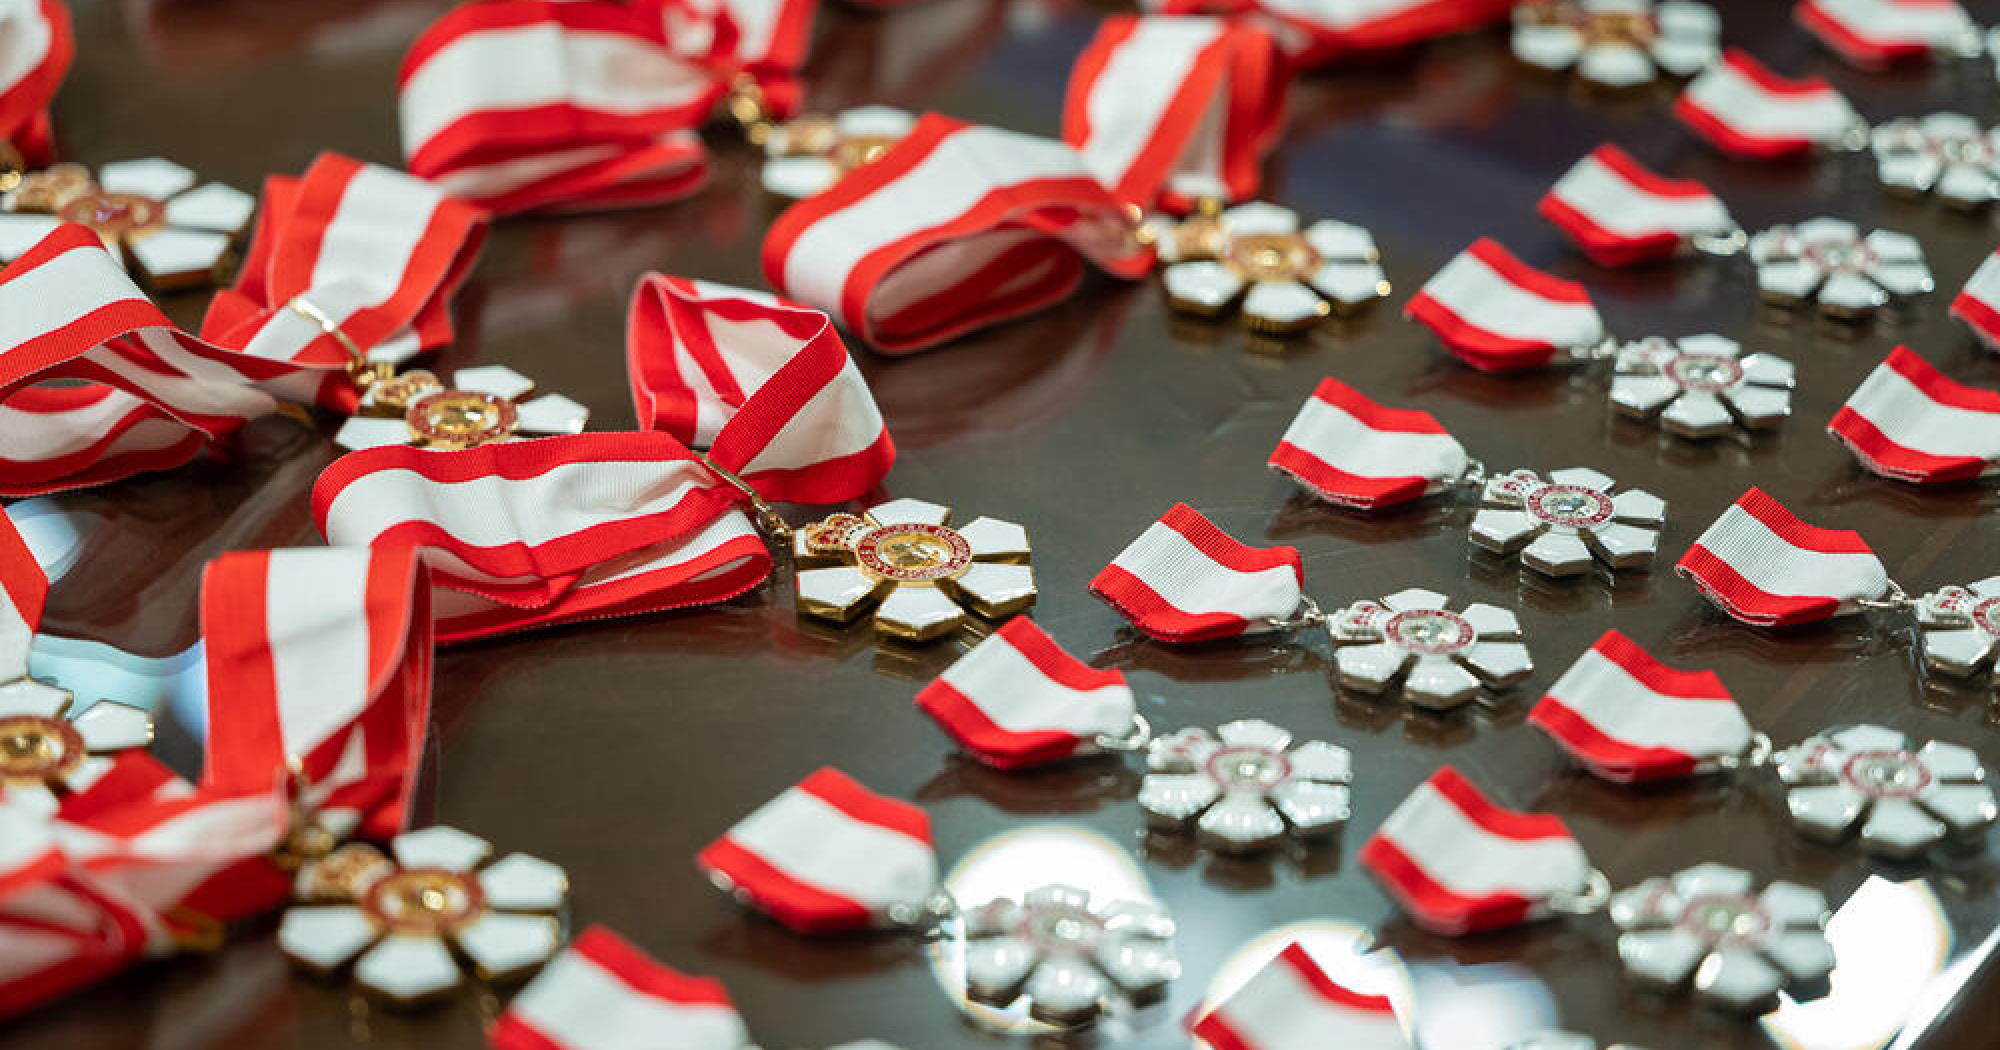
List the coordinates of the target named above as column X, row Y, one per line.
column 133, row 393
column 1185, row 580
column 1498, row 314
column 764, row 385
column 1767, row 568
column 1168, row 111
column 1350, row 451
column 1911, row 422
column 351, row 264
column 1018, row 700
column 954, row 228
column 1746, row 110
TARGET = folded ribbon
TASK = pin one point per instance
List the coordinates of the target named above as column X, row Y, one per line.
column 37, row 54
column 954, row 228
column 350, row 263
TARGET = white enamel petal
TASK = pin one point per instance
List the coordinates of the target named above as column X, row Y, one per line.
column 1788, row 280
column 1350, row 284
column 799, row 176
column 179, row 255
column 1660, row 957
column 1964, row 808
column 26, row 696
column 1639, row 507
column 1368, row 668
column 1175, row 798
column 1259, row 217
column 1684, row 56
column 838, row 589
column 325, row 938
column 1241, row 821
column 1825, row 811
column 1626, row 546
column 551, row 414
column 1254, row 732
column 214, row 207
column 997, row 587
column 1903, row 280
column 1697, row 414
column 1319, row 760
column 1311, row 808
column 1760, row 407
column 1502, row 530
column 1500, row 664
column 440, row 847
column 362, row 432
column 155, row 177
column 1968, row 185
column 1713, row 880
column 519, row 882
column 1803, row 955
column 993, row 918
column 1900, row 828
column 1791, row 904
column 1285, row 305
column 996, row 966
column 1341, row 241
column 1850, row 295
column 1491, row 621
column 1556, row 553
column 1711, row 344
column 922, row 612
column 1914, row 172
column 1140, row 965
column 1549, row 47
column 1415, row 598
column 884, row 121
column 501, row 945
column 408, row 969
column 1951, row 762
column 110, row 726
column 497, row 380
column 1583, row 477
column 1642, row 395
column 1615, row 65
column 1891, row 246
column 1827, row 230
column 1957, row 650
column 18, row 233
column 1738, row 978
column 907, row 511
column 991, row 537
column 1773, row 371
column 1065, row 991
column 1438, row 682
column 1869, row 738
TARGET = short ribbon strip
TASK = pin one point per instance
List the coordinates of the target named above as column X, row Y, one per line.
column 39, row 48
column 1185, row 580
column 1877, row 34
column 373, row 254
column 535, row 533
column 526, row 105
column 24, row 591
column 1168, row 111
column 764, row 385
column 1911, row 422
column 1746, row 110
column 1317, row 32
column 954, row 228
column 1458, row 863
column 1628, row 718
column 1978, row 303
column 1348, row 450
column 1018, row 700
column 1621, row 214
column 128, row 392
column 1767, row 568
column 1293, row 1004
column 603, row 991
column 1498, row 314
column 829, row 856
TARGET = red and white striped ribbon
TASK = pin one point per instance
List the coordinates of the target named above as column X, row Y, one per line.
column 1765, row 567
column 524, row 105
column 24, row 592
column 1978, row 303
column 1628, row 718
column 319, row 660
column 1316, row 32
column 37, row 52
column 1351, row 451
column 1877, row 34
column 96, row 384
column 534, row 533
column 765, row 385
column 1019, row 700
column 1746, row 110
column 1620, row 214
column 1293, row 1004
column 1185, row 580
column 1167, row 111
column 374, row 252
column 62, row 932
column 829, row 856
column 1911, row 422
column 954, row 228
column 603, row 993
column 1460, row 864
column 1497, row 313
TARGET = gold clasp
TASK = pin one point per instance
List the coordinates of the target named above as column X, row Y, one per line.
column 363, row 372
column 769, row 521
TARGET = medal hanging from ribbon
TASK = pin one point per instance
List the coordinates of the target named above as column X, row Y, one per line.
column 1356, row 454
column 829, row 856
column 1185, row 581
column 40, row 29
column 538, row 105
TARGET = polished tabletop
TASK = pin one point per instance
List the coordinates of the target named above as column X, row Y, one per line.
column 618, row 749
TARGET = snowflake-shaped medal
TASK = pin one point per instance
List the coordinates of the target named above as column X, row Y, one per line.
column 806, row 155
column 1700, row 386
column 1741, row 948
column 919, row 574
column 404, row 924
column 1961, row 627
column 1948, row 153
column 1903, row 801
column 1245, row 787
column 1441, row 657
column 45, row 752
column 1617, row 43
column 482, row 406
column 1071, row 961
column 1287, row 279
column 150, row 212
column 1561, row 524
column 1828, row 261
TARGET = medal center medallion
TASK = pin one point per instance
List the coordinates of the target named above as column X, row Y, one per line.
column 1570, row 506
column 424, row 902
column 1725, row 919
column 1841, row 256
column 1986, row 616
column 1886, row 774
column 913, row 553
column 853, row 151
column 114, row 216
column 1705, row 373
column 1060, row 928
column 457, row 419
column 33, row 747
column 1433, row 632
column 1248, row 768
column 1271, row 257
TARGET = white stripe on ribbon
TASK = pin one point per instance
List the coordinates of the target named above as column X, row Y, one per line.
column 815, row 843
column 1015, row 695
column 1349, row 445
column 1911, row 418
column 1197, row 585
column 1486, row 299
column 1614, row 202
column 1134, row 90
column 578, row 1004
column 1739, row 103
column 1461, row 855
column 317, row 623
column 1603, row 693
column 1280, row 1008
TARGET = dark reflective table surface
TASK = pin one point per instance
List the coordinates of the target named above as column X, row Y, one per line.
column 619, row 749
